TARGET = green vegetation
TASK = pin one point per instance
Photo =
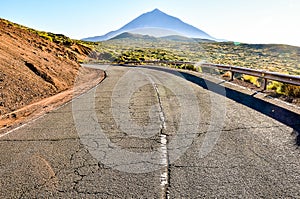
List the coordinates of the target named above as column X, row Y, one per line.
column 46, row 36
column 291, row 90
column 148, row 54
column 251, row 79
column 284, row 89
column 57, row 38
column 276, row 86
column 62, row 39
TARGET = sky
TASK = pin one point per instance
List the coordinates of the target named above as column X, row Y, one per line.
column 247, row 21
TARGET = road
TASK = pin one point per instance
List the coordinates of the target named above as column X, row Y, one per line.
column 150, row 133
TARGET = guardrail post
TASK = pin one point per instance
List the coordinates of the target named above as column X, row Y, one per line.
column 231, row 76
column 265, row 84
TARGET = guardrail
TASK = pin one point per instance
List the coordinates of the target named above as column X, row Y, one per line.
column 265, row 75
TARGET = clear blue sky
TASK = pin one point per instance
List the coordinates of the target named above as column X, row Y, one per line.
column 252, row 21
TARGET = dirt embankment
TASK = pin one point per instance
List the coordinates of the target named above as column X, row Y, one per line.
column 33, row 68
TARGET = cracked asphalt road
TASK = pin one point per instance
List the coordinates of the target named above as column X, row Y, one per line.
column 142, row 133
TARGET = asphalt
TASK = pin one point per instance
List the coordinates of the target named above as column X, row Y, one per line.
column 154, row 133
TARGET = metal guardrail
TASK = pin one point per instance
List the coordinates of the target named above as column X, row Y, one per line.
column 265, row 75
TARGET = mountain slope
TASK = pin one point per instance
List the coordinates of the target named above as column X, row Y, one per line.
column 33, row 67
column 127, row 35
column 161, row 25
column 131, row 37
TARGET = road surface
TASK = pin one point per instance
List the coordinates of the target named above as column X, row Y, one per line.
column 150, row 133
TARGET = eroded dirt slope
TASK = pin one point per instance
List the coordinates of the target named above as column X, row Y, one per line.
column 32, row 68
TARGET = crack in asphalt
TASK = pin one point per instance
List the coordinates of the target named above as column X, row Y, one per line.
column 40, row 140
column 82, row 164
column 122, row 138
column 252, row 127
column 165, row 175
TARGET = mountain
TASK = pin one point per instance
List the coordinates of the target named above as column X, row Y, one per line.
column 158, row 24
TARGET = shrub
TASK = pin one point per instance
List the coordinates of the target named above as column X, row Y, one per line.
column 291, row 90
column 226, row 74
column 276, row 86
column 199, row 69
column 45, row 36
column 284, row 89
column 190, row 67
column 251, row 79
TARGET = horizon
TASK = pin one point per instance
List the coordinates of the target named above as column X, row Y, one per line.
column 268, row 22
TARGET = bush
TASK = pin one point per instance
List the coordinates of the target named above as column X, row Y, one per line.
column 284, row 89
column 45, row 36
column 276, row 86
column 291, row 90
column 199, row 69
column 251, row 79
column 189, row 67
column 141, row 55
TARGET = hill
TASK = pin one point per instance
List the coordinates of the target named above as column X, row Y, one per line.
column 158, row 24
column 35, row 65
column 131, row 36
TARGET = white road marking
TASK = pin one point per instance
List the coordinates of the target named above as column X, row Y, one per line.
column 164, row 177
